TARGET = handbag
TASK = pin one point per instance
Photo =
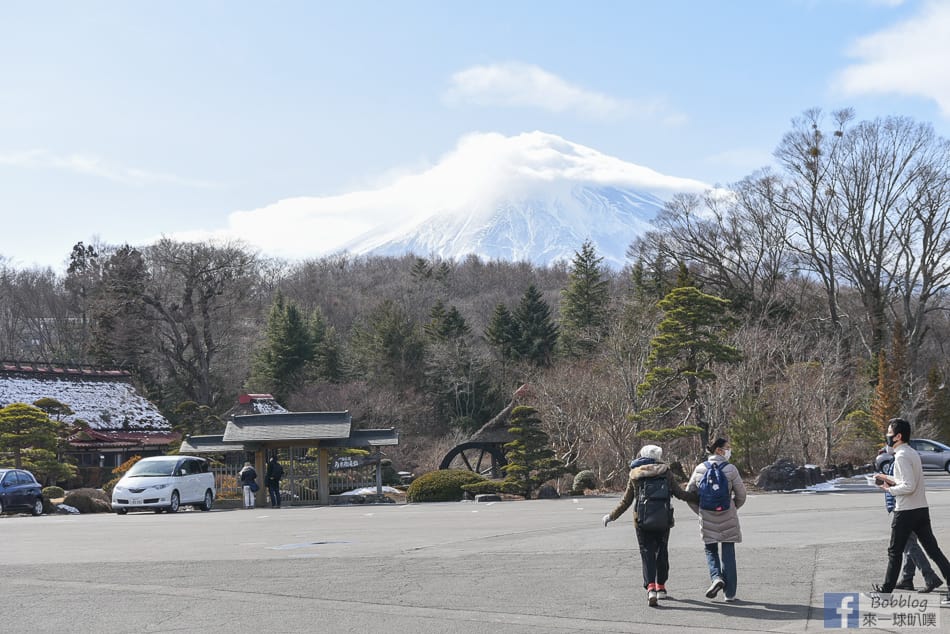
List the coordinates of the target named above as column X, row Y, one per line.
column 254, row 487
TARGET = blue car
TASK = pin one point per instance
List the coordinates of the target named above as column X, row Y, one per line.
column 19, row 491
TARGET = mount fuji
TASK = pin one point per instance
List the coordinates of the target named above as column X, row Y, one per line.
column 533, row 196
column 537, row 198
column 545, row 228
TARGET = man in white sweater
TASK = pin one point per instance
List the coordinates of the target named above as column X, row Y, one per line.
column 911, row 514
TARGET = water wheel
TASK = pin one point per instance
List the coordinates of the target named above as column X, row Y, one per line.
column 481, row 457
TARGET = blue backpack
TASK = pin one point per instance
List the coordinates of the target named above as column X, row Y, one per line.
column 714, row 488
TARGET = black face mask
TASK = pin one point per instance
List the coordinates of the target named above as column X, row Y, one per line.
column 889, row 440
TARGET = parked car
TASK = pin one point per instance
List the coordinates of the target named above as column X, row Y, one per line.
column 933, row 454
column 19, row 491
column 165, row 483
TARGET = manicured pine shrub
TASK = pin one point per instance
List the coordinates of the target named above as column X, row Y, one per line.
column 584, row 480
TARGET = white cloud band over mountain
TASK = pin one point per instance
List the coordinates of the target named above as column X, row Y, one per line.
column 909, row 58
column 484, row 170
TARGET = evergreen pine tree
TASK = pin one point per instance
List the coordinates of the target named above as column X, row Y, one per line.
column 280, row 363
column 531, row 461
column 327, row 362
column 389, row 346
column 456, row 378
column 120, row 327
column 24, row 427
column 690, row 340
column 537, row 332
column 503, row 333
column 584, row 306
column 82, row 281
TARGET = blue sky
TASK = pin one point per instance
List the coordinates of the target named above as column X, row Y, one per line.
column 126, row 121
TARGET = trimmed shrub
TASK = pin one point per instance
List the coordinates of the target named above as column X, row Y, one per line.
column 584, row 480
column 53, row 492
column 441, row 486
column 98, row 494
column 85, row 502
column 488, row 486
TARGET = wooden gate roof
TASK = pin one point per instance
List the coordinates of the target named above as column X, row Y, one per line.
column 290, row 426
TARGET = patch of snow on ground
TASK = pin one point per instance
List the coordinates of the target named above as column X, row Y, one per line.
column 370, row 491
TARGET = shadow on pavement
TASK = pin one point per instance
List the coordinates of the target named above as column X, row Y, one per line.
column 742, row 609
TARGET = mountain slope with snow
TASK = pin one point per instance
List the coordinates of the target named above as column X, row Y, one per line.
column 533, row 196
column 540, row 230
column 541, row 198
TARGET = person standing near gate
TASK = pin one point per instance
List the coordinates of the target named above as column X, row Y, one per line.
column 248, row 478
column 651, row 484
column 275, row 471
column 911, row 512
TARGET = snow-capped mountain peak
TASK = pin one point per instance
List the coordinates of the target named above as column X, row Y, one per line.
column 533, row 196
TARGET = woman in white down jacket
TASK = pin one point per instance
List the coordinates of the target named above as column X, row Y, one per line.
column 720, row 526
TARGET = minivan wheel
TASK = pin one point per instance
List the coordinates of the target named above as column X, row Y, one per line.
column 37, row 507
column 121, row 511
column 174, row 503
column 208, row 501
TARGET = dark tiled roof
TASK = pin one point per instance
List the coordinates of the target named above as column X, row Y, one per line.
column 208, row 444
column 55, row 369
column 111, row 438
column 288, row 426
column 366, row 438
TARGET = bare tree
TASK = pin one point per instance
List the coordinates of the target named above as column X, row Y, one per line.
column 735, row 243
column 867, row 205
column 194, row 298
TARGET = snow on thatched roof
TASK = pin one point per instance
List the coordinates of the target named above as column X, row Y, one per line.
column 104, row 403
column 249, row 404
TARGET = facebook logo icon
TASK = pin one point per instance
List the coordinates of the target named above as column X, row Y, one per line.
column 841, row 610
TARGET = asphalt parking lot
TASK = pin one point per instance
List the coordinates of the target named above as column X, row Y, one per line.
column 528, row 566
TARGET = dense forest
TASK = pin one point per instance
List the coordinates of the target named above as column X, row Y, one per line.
column 794, row 311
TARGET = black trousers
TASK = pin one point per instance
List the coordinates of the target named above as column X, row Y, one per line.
column 654, row 555
column 274, row 489
column 915, row 521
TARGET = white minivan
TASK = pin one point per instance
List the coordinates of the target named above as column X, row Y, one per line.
column 164, row 483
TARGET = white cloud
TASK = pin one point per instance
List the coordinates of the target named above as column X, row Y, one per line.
column 95, row 166
column 528, row 86
column 909, row 58
column 482, row 169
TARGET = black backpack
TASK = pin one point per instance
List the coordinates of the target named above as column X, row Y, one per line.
column 654, row 510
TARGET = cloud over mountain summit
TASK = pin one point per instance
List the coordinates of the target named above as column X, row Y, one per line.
column 535, row 182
